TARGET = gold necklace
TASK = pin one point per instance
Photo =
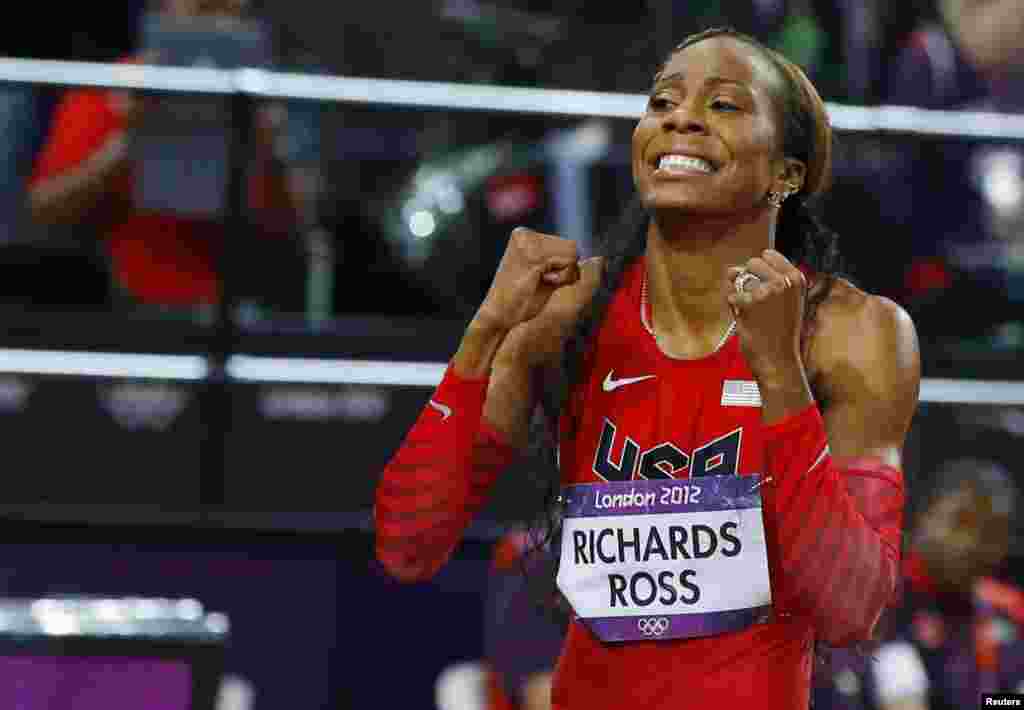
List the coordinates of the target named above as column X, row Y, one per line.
column 643, row 319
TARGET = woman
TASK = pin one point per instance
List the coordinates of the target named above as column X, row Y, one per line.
column 714, row 341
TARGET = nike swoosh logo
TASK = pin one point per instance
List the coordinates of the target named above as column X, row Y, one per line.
column 445, row 411
column 610, row 383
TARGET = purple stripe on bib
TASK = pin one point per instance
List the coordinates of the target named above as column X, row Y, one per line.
column 660, row 627
column 643, row 497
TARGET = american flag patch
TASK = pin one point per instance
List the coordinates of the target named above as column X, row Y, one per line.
column 740, row 393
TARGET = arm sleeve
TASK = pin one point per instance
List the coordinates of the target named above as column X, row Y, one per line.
column 835, row 528
column 437, row 480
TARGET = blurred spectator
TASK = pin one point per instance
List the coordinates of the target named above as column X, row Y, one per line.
column 956, row 631
column 991, row 33
column 524, row 629
column 954, row 192
column 523, row 633
column 71, row 33
column 86, row 177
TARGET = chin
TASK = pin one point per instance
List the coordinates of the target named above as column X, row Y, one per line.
column 695, row 207
column 658, row 199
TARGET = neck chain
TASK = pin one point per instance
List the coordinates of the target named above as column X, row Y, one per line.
column 647, row 325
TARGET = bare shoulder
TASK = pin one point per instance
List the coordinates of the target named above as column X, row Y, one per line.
column 865, row 341
column 539, row 341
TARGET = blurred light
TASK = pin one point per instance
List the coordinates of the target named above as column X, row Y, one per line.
column 109, row 610
column 217, row 623
column 449, row 199
column 935, row 389
column 1002, row 180
column 58, row 621
column 90, row 364
column 42, row 607
column 188, row 609
column 422, row 224
column 146, row 609
column 322, row 371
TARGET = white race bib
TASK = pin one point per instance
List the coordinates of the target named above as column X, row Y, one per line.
column 664, row 559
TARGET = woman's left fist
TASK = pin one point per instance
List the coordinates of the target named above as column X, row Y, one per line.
column 769, row 312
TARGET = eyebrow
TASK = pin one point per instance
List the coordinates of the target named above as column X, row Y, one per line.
column 715, row 80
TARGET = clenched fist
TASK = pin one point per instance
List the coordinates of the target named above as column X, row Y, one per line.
column 533, row 267
column 769, row 314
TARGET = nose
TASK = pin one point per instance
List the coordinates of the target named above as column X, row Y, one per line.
column 685, row 119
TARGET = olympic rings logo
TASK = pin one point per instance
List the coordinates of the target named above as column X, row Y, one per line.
column 653, row 625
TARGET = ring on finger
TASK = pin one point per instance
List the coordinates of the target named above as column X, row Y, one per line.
column 789, row 283
column 742, row 279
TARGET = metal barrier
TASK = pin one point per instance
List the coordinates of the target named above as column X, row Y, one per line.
column 263, row 84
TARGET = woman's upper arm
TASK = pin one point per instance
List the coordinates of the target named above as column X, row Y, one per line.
column 529, row 348
column 869, row 376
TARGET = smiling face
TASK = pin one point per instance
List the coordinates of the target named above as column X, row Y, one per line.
column 710, row 139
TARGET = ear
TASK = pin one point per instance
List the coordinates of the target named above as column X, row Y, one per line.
column 790, row 176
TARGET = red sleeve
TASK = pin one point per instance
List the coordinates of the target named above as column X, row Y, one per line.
column 83, row 121
column 437, row 480
column 836, row 530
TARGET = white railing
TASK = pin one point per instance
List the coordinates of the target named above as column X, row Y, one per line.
column 467, row 97
column 323, row 371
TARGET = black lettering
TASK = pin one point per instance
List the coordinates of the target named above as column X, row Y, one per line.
column 633, row 593
column 663, row 461
column 720, row 457
column 737, row 546
column 694, row 589
column 591, row 537
column 698, row 553
column 654, row 544
column 579, row 541
column 677, row 541
column 603, row 465
column 616, row 586
column 634, row 543
column 663, row 581
column 600, row 550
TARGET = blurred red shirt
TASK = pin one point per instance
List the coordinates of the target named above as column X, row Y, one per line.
column 159, row 258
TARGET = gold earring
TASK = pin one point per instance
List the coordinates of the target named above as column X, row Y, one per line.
column 775, row 199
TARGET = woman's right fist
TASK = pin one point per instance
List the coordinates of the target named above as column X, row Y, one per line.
column 533, row 266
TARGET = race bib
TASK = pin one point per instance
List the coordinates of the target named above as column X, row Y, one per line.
column 665, row 559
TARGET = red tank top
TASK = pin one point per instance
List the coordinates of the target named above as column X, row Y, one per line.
column 638, row 413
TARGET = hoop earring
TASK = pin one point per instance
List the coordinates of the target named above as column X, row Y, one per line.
column 775, row 199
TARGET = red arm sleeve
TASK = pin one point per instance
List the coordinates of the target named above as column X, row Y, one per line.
column 836, row 529
column 437, row 480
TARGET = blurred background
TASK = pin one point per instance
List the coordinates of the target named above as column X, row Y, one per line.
column 197, row 401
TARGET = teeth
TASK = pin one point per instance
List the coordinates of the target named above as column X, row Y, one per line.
column 684, row 162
